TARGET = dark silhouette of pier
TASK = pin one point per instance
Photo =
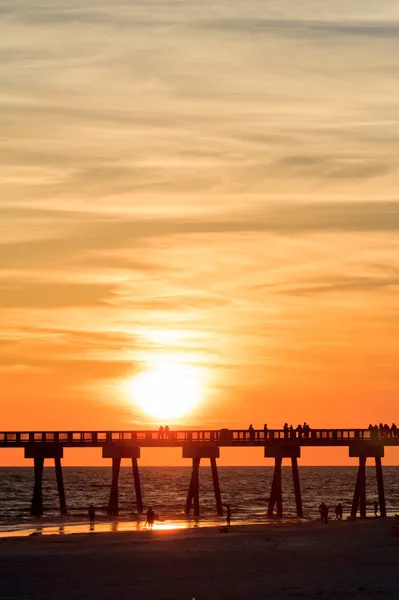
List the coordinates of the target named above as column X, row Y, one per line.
column 204, row 444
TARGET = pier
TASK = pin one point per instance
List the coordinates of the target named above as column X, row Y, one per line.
column 200, row 445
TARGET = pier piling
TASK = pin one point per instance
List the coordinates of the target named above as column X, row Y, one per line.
column 117, row 451
column 363, row 452
column 60, row 485
column 195, row 486
column 137, row 486
column 297, row 486
column 216, row 487
column 39, row 452
column 276, row 494
column 114, row 493
column 196, row 452
column 380, row 485
column 37, row 499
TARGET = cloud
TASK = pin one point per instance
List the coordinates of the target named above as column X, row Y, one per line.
column 338, row 285
column 304, row 28
column 53, row 295
column 92, row 232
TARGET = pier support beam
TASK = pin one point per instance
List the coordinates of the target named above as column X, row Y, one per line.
column 380, row 485
column 276, row 494
column 37, row 499
column 193, row 490
column 60, row 485
column 137, row 486
column 39, row 452
column 297, row 486
column 359, row 497
column 216, row 487
column 114, row 493
column 117, row 452
column 196, row 452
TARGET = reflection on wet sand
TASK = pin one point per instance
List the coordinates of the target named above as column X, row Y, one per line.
column 106, row 527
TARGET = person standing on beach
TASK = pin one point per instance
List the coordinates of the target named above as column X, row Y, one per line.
column 323, row 510
column 338, row 512
column 92, row 515
column 150, row 518
column 228, row 516
column 375, row 505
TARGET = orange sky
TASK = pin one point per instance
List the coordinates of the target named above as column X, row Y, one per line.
column 202, row 190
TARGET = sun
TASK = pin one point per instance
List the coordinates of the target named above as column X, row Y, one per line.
column 166, row 389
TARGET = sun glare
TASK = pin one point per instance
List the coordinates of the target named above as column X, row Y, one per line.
column 166, row 390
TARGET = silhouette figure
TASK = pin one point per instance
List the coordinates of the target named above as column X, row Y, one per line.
column 251, row 432
column 299, row 430
column 292, row 432
column 323, row 510
column 265, row 430
column 150, row 518
column 306, row 430
column 285, row 429
column 338, row 512
column 228, row 516
column 394, row 430
column 92, row 515
column 161, row 433
column 375, row 505
column 166, row 432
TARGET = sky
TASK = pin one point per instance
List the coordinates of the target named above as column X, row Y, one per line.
column 199, row 198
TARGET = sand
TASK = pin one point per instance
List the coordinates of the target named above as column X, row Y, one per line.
column 341, row 560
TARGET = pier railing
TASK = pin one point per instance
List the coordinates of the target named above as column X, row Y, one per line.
column 222, row 437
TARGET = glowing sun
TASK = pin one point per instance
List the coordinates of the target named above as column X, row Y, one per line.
column 166, row 390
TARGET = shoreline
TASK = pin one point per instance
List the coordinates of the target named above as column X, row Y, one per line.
column 138, row 528
column 118, row 526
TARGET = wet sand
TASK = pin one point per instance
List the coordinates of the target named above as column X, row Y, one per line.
column 341, row 560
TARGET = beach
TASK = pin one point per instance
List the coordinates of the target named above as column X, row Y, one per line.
column 349, row 559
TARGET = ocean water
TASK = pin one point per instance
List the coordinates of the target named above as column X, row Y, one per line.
column 164, row 488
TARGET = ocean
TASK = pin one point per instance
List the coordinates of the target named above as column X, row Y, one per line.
column 246, row 489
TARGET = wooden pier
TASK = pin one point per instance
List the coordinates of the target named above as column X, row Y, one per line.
column 203, row 444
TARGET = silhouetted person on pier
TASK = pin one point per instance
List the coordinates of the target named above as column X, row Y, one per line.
column 292, row 433
column 394, row 430
column 381, row 428
column 375, row 506
column 150, row 518
column 92, row 515
column 285, row 429
column 323, row 509
column 251, row 433
column 300, row 431
column 166, row 432
column 338, row 512
column 228, row 515
column 265, row 431
column 306, row 430
column 161, row 432
column 373, row 431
